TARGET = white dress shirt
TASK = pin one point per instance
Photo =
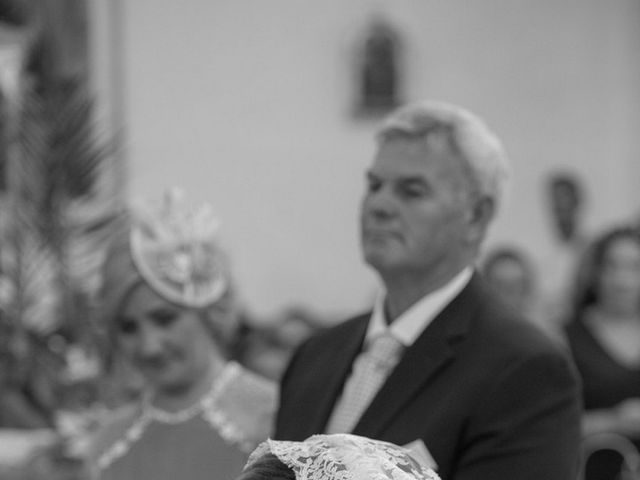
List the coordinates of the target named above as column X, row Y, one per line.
column 410, row 324
column 361, row 384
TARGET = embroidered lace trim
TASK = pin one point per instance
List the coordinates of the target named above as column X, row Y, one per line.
column 207, row 407
column 345, row 457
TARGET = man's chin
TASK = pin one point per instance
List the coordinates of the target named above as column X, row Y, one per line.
column 378, row 259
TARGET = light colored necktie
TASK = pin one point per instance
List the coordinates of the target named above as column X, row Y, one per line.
column 370, row 370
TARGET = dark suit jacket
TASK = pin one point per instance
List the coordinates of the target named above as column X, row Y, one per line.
column 490, row 395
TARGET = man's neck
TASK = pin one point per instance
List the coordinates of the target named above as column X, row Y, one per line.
column 405, row 290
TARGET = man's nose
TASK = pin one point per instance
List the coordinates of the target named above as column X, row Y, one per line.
column 379, row 204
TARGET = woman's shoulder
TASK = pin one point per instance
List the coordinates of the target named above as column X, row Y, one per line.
column 246, row 405
column 115, row 424
column 241, row 382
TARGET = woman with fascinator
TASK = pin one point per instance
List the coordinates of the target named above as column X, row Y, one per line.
column 338, row 456
column 168, row 308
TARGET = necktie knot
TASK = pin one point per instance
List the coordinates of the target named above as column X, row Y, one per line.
column 384, row 350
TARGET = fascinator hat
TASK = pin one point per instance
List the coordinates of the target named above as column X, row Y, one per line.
column 175, row 251
column 343, row 457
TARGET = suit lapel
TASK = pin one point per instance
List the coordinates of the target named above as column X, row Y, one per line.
column 430, row 353
column 331, row 376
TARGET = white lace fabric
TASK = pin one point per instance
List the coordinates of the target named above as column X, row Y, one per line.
column 345, row 457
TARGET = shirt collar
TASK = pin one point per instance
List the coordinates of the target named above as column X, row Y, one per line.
column 408, row 326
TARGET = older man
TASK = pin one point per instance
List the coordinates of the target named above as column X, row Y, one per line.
column 438, row 365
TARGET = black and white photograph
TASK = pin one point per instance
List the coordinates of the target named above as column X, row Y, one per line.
column 336, row 240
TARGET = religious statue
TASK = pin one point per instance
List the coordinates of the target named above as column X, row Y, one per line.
column 378, row 78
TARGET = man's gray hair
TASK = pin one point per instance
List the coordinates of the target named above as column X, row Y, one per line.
column 467, row 133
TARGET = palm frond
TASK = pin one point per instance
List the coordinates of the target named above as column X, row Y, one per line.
column 54, row 173
column 86, row 251
column 74, row 144
column 59, row 205
column 41, row 290
column 31, row 268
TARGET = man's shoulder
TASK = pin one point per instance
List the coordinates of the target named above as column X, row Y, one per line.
column 324, row 351
column 504, row 351
column 324, row 343
column 114, row 427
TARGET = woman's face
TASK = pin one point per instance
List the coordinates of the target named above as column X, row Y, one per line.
column 170, row 345
column 510, row 280
column 619, row 286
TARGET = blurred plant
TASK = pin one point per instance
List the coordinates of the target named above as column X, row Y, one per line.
column 58, row 210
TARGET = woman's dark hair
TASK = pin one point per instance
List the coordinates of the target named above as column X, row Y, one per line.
column 267, row 467
column 591, row 264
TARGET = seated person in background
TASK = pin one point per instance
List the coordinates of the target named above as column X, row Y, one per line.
column 604, row 337
column 334, row 457
column 261, row 350
column 510, row 275
column 266, row 346
column 169, row 309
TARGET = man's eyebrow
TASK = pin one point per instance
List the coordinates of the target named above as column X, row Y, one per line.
column 412, row 179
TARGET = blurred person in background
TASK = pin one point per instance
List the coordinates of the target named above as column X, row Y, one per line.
column 265, row 346
column 260, row 349
column 511, row 275
column 604, row 337
column 566, row 204
column 439, row 363
column 170, row 311
column 565, row 198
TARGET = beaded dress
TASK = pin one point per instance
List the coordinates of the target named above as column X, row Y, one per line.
column 209, row 440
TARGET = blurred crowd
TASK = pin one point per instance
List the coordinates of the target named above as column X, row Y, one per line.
column 589, row 303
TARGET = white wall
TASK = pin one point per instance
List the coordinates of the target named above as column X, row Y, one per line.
column 247, row 104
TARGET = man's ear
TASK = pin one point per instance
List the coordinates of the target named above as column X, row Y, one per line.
column 481, row 214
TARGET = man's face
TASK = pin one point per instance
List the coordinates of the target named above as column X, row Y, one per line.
column 416, row 211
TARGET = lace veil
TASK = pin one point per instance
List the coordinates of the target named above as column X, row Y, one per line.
column 344, row 457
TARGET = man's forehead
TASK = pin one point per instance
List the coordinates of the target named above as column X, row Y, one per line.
column 415, row 158
column 397, row 175
column 396, row 165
